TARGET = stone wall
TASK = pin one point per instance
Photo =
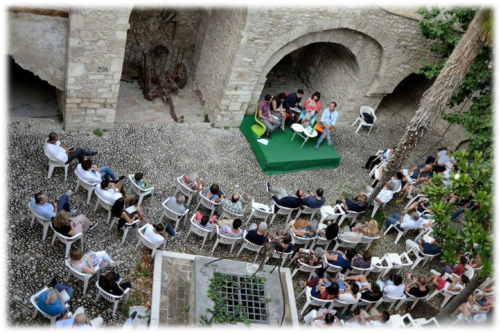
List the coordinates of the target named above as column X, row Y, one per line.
column 330, row 69
column 148, row 28
column 38, row 44
column 216, row 60
column 397, row 39
column 95, row 60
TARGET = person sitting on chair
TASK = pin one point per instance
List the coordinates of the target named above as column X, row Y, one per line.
column 79, row 320
column 124, row 217
column 192, row 181
column 370, row 228
column 51, row 301
column 144, row 184
column 84, row 263
column 176, row 204
column 385, row 195
column 312, row 107
column 48, row 209
column 283, row 243
column 57, row 151
column 417, row 287
column 282, row 198
column 358, row 205
column 110, row 192
column 213, row 193
column 379, row 158
column 293, row 100
column 155, row 233
column 265, row 116
column 352, row 233
column 309, row 231
column 424, row 247
column 314, row 201
column 69, row 226
column 113, row 284
column 205, row 223
column 257, row 236
column 232, row 231
column 328, row 123
column 278, row 108
column 92, row 174
column 237, row 205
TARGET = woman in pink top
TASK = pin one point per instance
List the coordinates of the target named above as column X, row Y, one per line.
column 312, row 106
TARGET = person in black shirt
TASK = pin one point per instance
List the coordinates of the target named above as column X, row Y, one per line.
column 112, row 284
column 258, row 236
column 417, row 287
column 283, row 242
column 282, row 198
column 293, row 100
column 369, row 292
column 358, row 205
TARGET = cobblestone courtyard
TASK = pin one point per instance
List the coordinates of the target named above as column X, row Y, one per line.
column 163, row 152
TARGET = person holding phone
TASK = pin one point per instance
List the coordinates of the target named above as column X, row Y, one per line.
column 57, row 151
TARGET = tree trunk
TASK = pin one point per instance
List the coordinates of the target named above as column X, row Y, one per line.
column 444, row 315
column 435, row 99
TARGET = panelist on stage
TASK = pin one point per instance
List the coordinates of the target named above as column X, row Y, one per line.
column 327, row 123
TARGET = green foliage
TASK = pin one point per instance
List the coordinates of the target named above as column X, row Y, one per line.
column 181, row 119
column 226, row 127
column 206, row 120
column 474, row 234
column 444, row 29
column 98, row 133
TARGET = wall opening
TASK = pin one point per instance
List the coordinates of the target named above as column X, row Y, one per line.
column 405, row 99
column 30, row 96
column 176, row 30
column 330, row 68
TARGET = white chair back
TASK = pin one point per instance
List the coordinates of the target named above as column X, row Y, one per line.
column 171, row 215
column 399, row 261
column 320, row 241
column 105, row 204
column 223, row 239
column 307, row 210
column 330, row 267
column 230, row 215
column 110, row 297
column 284, row 256
column 66, row 240
column 198, row 230
column 379, row 267
column 362, row 122
column 141, row 193
column 44, row 222
column 356, row 270
column 250, row 246
column 282, row 211
column 331, row 213
column 90, row 187
column 34, row 302
column 303, row 267
column 259, row 211
column 56, row 164
column 79, row 275
column 368, row 240
column 297, row 240
column 344, row 243
column 389, row 299
column 147, row 243
column 205, row 202
column 189, row 193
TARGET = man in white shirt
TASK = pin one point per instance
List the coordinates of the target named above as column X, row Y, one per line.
column 92, row 174
column 57, row 151
column 108, row 192
column 376, row 318
column 78, row 320
column 405, row 222
column 393, row 288
column 155, row 234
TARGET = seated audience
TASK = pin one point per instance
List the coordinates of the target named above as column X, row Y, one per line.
column 92, row 174
column 454, row 285
column 416, row 287
column 87, row 263
column 358, row 205
column 176, row 204
column 79, row 320
column 443, row 160
column 237, row 205
column 375, row 318
column 113, row 284
column 205, row 222
column 385, row 195
column 257, row 236
column 156, row 233
column 394, row 287
column 309, row 231
column 329, row 230
column 314, row 201
column 232, row 231
column 474, row 312
column 405, row 222
column 424, row 247
column 264, row 115
column 283, row 243
column 321, row 318
column 421, row 206
column 192, row 181
column 144, row 184
column 51, row 301
column 57, row 151
column 124, row 217
column 48, row 209
column 213, row 193
column 457, row 269
column 369, row 292
column 379, row 158
column 362, row 260
column 110, row 192
column 350, row 295
column 352, row 233
column 69, row 226
column 282, row 198
column 370, row 228
column 309, row 257
column 339, row 258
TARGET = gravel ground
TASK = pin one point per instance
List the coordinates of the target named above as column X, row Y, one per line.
column 163, row 152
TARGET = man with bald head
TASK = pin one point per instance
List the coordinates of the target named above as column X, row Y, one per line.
column 79, row 320
column 282, row 198
column 237, row 205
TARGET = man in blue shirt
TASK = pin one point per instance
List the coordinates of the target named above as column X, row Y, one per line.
column 327, row 123
column 48, row 209
column 315, row 201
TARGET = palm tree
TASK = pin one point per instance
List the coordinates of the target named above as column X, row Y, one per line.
column 433, row 103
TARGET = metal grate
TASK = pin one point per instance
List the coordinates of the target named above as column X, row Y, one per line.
column 252, row 298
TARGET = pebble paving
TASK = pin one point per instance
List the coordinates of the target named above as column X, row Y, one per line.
column 163, row 152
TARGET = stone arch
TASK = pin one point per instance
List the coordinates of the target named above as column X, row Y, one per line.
column 367, row 52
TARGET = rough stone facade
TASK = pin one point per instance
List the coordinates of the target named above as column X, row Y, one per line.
column 95, row 59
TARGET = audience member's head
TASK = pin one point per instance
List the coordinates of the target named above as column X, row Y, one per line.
column 316, row 96
column 263, row 227
column 108, row 280
column 76, row 253
column 329, row 319
column 372, row 227
column 214, row 189
column 465, row 279
column 236, row 223
column 376, row 288
column 299, row 193
column 180, row 198
column 267, row 98
column 40, row 198
column 362, row 198
column 320, row 192
column 118, row 207
column 204, row 220
column 354, row 288
column 399, row 175
column 422, row 281
column 61, row 219
column 52, row 296
column 385, row 316
column 235, row 198
column 80, row 319
column 300, row 93
column 367, row 255
column 332, row 231
column 104, row 184
column 53, row 137
column 138, row 176
column 333, row 289
column 86, row 165
column 159, row 227
column 350, row 253
column 463, row 260
column 397, row 279
column 414, row 216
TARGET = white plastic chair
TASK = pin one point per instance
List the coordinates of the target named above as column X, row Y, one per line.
column 147, row 243
column 396, row 261
column 303, row 267
column 66, row 240
column 424, row 231
column 198, row 230
column 230, row 215
column 171, row 215
column 282, row 211
column 312, row 301
column 421, row 322
column 223, row 239
column 106, row 205
column 41, row 220
column 284, row 256
column 126, row 227
column 320, row 241
column 368, row 240
column 362, row 302
column 307, row 210
column 259, row 211
column 249, row 246
column 210, row 205
column 379, row 267
column 88, row 186
column 343, row 304
column 80, row 276
column 330, row 268
column 398, row 321
column 56, row 164
column 389, row 299
column 344, row 243
column 446, row 293
column 349, row 215
column 376, row 172
column 34, row 302
column 400, row 233
column 297, row 240
column 412, row 200
column 410, row 298
column 420, row 256
column 331, row 213
column 110, row 297
column 140, row 192
column 189, row 193
column 352, row 270
column 362, row 122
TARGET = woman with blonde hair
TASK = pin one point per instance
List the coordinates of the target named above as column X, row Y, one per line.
column 88, row 263
column 370, row 228
column 69, row 226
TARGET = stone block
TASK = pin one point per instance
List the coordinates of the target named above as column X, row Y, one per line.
column 121, row 35
column 73, row 87
column 76, row 69
column 101, row 112
column 115, row 88
column 98, row 100
column 103, row 90
column 244, row 98
column 90, row 105
column 74, row 42
column 76, row 21
column 71, row 80
column 72, row 106
column 97, row 77
column 73, row 100
column 116, row 65
column 106, row 95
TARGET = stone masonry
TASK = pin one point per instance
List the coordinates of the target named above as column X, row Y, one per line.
column 96, row 48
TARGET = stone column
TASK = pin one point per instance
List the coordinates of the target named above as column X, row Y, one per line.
column 96, row 48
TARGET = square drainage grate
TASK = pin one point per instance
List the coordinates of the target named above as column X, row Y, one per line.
column 252, row 298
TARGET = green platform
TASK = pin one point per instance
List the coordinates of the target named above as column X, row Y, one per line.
column 282, row 155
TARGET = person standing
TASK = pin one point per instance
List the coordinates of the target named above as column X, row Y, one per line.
column 328, row 123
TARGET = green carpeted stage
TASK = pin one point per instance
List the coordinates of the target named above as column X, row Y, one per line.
column 281, row 155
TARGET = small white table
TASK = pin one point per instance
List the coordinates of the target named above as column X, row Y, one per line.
column 309, row 132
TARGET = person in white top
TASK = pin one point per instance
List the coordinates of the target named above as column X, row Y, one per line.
column 406, row 222
column 78, row 320
column 393, row 288
column 57, row 151
column 155, row 234
column 92, row 174
column 385, row 195
column 375, row 318
column 350, row 295
column 110, row 192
